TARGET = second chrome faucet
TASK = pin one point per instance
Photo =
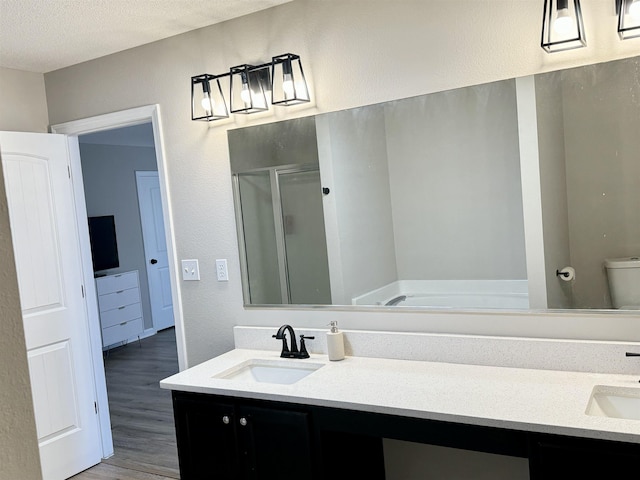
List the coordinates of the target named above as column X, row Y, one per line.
column 293, row 352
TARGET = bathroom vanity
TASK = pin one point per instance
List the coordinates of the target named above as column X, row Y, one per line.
column 328, row 419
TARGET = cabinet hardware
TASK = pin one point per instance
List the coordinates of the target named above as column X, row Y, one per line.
column 120, row 308
column 120, row 291
column 123, row 324
column 243, row 422
column 225, row 419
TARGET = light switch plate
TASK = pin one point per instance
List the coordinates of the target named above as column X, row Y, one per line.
column 221, row 270
column 190, row 270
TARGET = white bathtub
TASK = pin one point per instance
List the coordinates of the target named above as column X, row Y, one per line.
column 489, row 294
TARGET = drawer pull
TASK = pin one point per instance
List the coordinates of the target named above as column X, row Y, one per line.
column 243, row 422
column 118, row 276
column 123, row 324
column 225, row 419
column 121, row 308
column 120, row 291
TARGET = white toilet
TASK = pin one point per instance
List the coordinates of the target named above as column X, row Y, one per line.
column 624, row 282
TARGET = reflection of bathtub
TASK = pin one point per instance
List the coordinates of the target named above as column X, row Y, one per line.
column 496, row 294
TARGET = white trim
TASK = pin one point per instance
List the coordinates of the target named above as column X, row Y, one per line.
column 124, row 118
column 91, row 304
column 531, row 191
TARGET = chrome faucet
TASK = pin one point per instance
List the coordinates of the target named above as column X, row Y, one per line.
column 294, row 352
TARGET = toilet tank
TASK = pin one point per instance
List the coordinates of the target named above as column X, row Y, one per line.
column 624, row 281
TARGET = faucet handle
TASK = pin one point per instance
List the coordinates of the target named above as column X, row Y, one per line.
column 285, row 345
column 303, row 347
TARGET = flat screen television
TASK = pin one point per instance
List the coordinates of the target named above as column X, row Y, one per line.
column 104, row 245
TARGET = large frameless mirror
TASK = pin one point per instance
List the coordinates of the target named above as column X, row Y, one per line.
column 431, row 201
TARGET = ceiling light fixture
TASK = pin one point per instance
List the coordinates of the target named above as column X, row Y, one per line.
column 628, row 18
column 562, row 26
column 282, row 80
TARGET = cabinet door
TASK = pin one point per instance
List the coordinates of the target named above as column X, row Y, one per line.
column 206, row 437
column 564, row 458
column 274, row 444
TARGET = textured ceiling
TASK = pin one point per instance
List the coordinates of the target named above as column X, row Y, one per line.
column 45, row 35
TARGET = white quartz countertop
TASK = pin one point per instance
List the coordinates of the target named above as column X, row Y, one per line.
column 545, row 401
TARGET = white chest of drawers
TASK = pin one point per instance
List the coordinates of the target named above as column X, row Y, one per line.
column 120, row 307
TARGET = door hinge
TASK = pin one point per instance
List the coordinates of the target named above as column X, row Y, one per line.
column 95, row 407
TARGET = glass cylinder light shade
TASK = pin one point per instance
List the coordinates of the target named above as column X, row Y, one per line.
column 629, row 19
column 562, row 26
column 207, row 102
column 288, row 85
column 247, row 91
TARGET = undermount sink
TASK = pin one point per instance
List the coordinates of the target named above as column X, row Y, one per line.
column 615, row 402
column 270, row 371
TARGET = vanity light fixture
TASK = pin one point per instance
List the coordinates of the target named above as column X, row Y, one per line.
column 628, row 18
column 562, row 26
column 247, row 90
column 207, row 101
column 289, row 86
column 282, row 81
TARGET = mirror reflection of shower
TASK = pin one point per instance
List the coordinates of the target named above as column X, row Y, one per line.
column 279, row 214
column 282, row 235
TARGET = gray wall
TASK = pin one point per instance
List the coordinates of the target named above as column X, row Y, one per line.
column 23, row 108
column 363, row 249
column 602, row 128
column 590, row 173
column 275, row 144
column 553, row 185
column 454, row 168
column 413, row 461
column 19, row 456
column 23, row 101
column 109, row 177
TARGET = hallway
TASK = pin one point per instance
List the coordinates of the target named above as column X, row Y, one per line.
column 141, row 412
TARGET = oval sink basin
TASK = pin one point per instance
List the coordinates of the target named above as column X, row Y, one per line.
column 270, row 371
column 615, row 402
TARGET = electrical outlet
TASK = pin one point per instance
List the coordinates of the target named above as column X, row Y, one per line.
column 221, row 270
column 190, row 270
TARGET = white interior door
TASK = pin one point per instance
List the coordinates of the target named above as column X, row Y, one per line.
column 155, row 249
column 46, row 247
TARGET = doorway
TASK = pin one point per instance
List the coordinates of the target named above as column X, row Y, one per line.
column 119, row 173
column 101, row 125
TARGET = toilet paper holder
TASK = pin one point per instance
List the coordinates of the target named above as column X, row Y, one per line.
column 567, row 274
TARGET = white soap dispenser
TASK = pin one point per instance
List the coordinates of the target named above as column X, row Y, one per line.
column 335, row 343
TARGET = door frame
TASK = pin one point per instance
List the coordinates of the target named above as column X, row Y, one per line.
column 123, row 118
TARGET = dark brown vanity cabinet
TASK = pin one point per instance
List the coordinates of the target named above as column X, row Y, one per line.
column 225, row 439
column 559, row 458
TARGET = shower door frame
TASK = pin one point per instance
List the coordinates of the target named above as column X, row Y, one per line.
column 278, row 214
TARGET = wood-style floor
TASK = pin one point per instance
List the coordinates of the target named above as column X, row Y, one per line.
column 141, row 412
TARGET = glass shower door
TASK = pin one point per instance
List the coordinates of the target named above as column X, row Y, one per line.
column 306, row 263
column 258, row 238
